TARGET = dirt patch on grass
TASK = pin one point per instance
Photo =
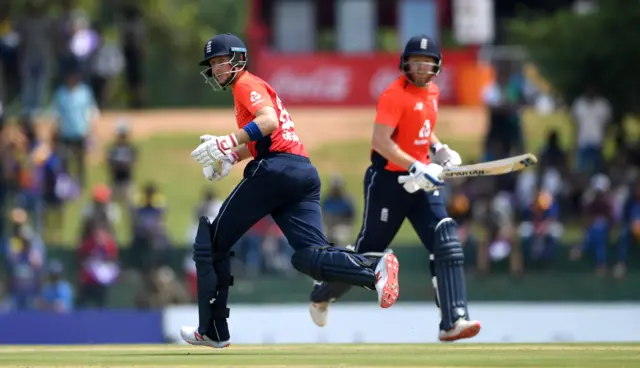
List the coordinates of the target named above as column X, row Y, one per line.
column 315, row 126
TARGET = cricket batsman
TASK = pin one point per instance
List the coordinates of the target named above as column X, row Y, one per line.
column 402, row 183
column 279, row 180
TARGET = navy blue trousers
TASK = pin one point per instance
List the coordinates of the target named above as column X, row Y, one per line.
column 387, row 205
column 284, row 185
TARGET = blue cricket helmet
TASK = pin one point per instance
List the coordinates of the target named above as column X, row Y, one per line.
column 421, row 45
column 225, row 44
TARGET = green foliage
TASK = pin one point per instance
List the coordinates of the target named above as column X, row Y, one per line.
column 572, row 50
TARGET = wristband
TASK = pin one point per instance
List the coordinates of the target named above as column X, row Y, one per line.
column 235, row 157
column 437, row 146
column 253, row 131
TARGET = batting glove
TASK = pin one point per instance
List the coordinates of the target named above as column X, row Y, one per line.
column 446, row 157
column 213, row 150
column 421, row 176
column 217, row 172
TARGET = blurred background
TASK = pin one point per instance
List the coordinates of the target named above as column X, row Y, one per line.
column 101, row 103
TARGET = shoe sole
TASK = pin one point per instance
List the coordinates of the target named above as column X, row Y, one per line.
column 467, row 333
column 207, row 345
column 316, row 322
column 391, row 289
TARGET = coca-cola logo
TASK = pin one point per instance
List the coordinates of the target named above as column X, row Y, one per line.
column 381, row 80
column 324, row 84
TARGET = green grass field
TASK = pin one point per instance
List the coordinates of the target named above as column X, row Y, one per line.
column 165, row 160
column 303, row 356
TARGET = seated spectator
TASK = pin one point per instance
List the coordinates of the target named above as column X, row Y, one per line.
column 101, row 211
column 459, row 208
column 338, row 213
column 499, row 222
column 24, row 256
column 598, row 216
column 98, row 264
column 540, row 229
column 209, row 207
column 57, row 293
column 150, row 240
column 630, row 232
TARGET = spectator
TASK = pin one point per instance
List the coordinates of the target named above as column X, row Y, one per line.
column 540, row 229
column 150, row 240
column 101, row 211
column 598, row 216
column 591, row 114
column 459, row 208
column 107, row 64
column 338, row 213
column 83, row 43
column 57, row 293
column 36, row 41
column 552, row 155
column 499, row 221
column 99, row 269
column 251, row 246
column 630, row 232
column 30, row 165
column 504, row 99
column 76, row 112
column 24, row 255
column 57, row 188
column 133, row 41
column 122, row 157
column 209, row 207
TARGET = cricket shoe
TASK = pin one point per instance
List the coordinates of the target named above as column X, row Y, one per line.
column 193, row 337
column 319, row 312
column 462, row 329
column 387, row 285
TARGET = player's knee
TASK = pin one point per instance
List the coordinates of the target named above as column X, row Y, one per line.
column 305, row 260
column 202, row 247
column 446, row 243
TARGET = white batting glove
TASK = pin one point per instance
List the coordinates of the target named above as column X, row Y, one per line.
column 421, row 176
column 213, row 150
column 446, row 157
column 215, row 172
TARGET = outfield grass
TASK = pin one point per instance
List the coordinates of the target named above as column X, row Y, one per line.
column 165, row 160
column 303, row 356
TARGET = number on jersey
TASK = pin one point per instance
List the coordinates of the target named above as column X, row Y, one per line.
column 287, row 123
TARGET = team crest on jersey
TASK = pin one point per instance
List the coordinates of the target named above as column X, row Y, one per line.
column 255, row 98
column 419, row 106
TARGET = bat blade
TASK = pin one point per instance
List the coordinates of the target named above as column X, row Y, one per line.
column 490, row 168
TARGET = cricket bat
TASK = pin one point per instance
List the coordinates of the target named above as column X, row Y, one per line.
column 490, row 168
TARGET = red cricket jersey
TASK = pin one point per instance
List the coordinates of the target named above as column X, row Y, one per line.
column 413, row 112
column 250, row 94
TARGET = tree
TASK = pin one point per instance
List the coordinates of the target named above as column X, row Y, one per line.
column 601, row 48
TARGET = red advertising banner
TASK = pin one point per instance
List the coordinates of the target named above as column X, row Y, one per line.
column 349, row 79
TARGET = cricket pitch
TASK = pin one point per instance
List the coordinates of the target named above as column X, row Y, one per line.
column 307, row 356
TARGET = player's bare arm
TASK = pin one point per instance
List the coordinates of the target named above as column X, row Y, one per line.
column 242, row 153
column 266, row 120
column 384, row 145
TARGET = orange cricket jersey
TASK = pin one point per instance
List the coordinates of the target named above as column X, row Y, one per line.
column 250, row 94
column 413, row 112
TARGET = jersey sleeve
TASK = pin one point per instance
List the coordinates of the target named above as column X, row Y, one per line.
column 253, row 96
column 389, row 109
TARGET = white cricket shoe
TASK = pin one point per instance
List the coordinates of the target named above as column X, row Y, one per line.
column 193, row 337
column 319, row 312
column 462, row 329
column 387, row 285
